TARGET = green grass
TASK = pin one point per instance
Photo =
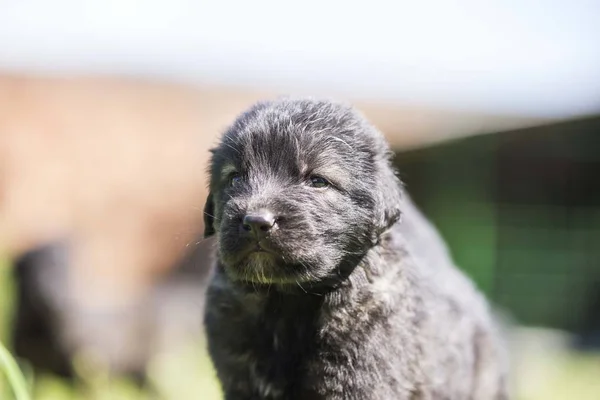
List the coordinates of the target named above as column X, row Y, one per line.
column 545, row 370
column 13, row 374
column 10, row 375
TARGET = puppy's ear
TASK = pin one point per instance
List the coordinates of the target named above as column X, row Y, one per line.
column 209, row 216
column 389, row 198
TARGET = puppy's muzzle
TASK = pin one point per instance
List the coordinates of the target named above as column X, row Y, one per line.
column 258, row 224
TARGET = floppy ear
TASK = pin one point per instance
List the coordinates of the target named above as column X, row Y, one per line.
column 209, row 216
column 389, row 198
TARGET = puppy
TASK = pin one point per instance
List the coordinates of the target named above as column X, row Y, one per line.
column 329, row 282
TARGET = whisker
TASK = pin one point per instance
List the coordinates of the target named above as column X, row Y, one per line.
column 231, row 147
column 341, row 140
column 196, row 243
column 298, row 283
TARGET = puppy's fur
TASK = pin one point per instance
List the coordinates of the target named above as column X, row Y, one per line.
column 356, row 296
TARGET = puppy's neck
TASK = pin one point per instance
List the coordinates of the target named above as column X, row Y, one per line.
column 376, row 269
column 355, row 279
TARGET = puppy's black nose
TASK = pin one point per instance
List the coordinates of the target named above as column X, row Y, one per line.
column 259, row 223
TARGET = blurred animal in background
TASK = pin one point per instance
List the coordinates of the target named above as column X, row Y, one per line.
column 41, row 277
column 52, row 328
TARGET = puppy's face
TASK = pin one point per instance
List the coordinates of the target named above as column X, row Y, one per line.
column 300, row 189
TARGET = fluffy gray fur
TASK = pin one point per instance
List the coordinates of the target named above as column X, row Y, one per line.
column 357, row 296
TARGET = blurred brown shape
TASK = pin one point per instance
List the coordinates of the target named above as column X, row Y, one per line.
column 117, row 165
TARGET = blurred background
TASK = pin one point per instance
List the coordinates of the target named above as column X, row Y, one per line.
column 108, row 109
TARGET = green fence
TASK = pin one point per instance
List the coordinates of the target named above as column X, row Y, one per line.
column 521, row 213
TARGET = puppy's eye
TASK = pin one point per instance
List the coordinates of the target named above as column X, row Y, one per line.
column 235, row 180
column 318, row 182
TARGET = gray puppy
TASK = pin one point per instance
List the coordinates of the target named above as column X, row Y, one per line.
column 329, row 283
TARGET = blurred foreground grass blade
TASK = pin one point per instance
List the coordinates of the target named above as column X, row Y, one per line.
column 15, row 378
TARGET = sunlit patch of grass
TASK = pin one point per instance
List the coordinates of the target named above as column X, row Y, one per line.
column 561, row 376
column 5, row 306
column 185, row 374
column 53, row 388
column 570, row 376
column 546, row 368
column 6, row 299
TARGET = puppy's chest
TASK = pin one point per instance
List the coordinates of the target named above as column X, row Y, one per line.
column 279, row 354
column 277, row 348
column 294, row 354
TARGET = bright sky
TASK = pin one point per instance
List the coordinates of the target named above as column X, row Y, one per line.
column 539, row 58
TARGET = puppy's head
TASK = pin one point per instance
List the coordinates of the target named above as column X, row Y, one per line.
column 300, row 190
